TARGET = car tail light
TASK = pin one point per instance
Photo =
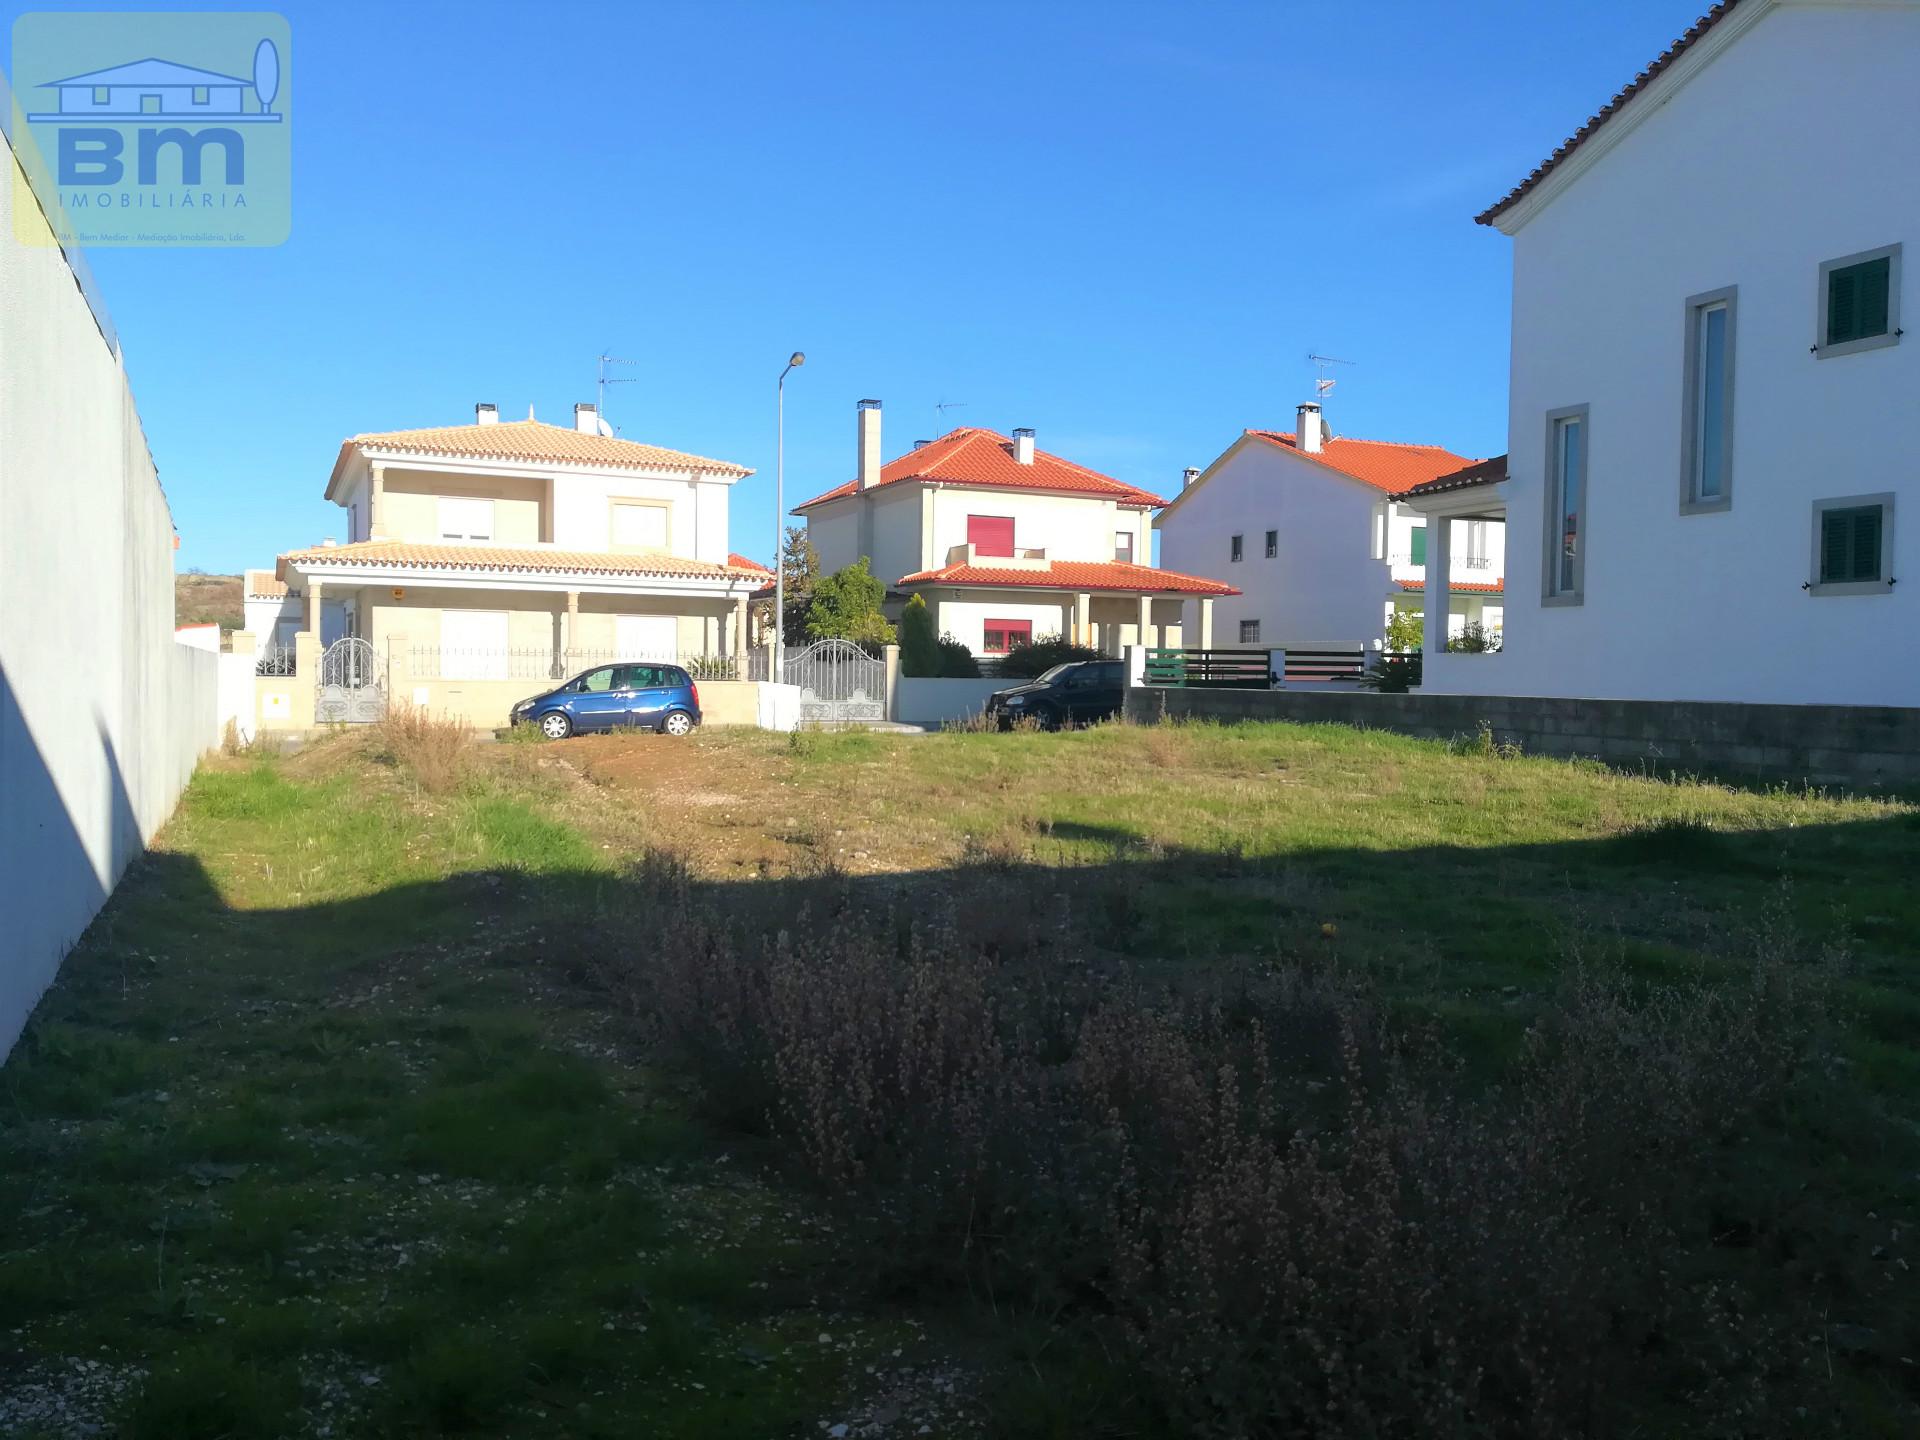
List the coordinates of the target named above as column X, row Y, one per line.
column 696, row 694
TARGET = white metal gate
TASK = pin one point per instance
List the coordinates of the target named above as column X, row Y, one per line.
column 352, row 686
column 838, row 682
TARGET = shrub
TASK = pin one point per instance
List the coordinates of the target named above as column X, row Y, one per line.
column 1405, row 632
column 956, row 660
column 1475, row 639
column 846, row 606
column 1029, row 658
column 919, row 646
column 1394, row 674
column 432, row 748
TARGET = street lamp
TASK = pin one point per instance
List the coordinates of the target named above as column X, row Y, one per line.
column 779, row 520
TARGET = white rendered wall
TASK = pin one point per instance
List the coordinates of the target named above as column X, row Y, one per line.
column 102, row 715
column 1794, row 146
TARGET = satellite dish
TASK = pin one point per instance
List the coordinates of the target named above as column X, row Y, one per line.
column 266, row 74
column 604, row 427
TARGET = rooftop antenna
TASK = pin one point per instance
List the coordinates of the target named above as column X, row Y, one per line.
column 1323, row 383
column 940, row 412
column 600, row 397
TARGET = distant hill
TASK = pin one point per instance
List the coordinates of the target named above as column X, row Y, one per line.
column 200, row 599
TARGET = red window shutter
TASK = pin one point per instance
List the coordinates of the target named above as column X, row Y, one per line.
column 990, row 534
column 1000, row 636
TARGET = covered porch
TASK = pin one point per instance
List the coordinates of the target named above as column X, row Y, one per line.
column 1478, row 492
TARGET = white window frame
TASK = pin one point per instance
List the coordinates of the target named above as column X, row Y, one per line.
column 616, row 503
column 1891, row 336
column 1882, row 586
column 459, row 518
column 1245, row 638
column 488, row 662
column 1692, row 447
column 1552, row 590
column 1127, row 536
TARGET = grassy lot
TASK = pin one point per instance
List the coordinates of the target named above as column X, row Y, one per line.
column 328, row 1128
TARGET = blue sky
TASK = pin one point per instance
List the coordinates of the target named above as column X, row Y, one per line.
column 1123, row 224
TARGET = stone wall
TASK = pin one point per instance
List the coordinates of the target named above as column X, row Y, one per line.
column 1849, row 745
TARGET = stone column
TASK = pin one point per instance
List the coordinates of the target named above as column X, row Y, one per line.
column 738, row 647
column 376, row 504
column 892, row 654
column 1206, row 622
column 1438, row 594
column 312, row 625
column 573, row 632
column 1083, row 619
column 1143, row 627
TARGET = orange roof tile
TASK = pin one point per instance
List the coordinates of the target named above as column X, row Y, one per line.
column 1481, row 472
column 1465, row 587
column 537, row 440
column 1384, row 464
column 1075, row 575
column 741, row 562
column 530, row 559
column 973, row 456
column 263, row 585
column 1640, row 82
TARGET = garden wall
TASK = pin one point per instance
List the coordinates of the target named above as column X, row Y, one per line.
column 933, row 702
column 1848, row 745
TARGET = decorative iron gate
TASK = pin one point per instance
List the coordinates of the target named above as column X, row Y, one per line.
column 352, row 687
column 838, row 682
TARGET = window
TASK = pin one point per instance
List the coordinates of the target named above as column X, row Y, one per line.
column 200, row 95
column 990, row 534
column 1236, row 549
column 1249, row 632
column 1706, row 481
column 635, row 525
column 1000, row 636
column 596, row 682
column 102, row 95
column 1564, row 574
column 1273, row 543
column 1852, row 545
column 1417, row 544
column 1859, row 302
column 149, row 104
column 473, row 645
column 1123, row 546
column 465, row 519
column 353, row 522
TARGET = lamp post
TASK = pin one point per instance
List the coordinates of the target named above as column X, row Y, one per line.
column 779, row 520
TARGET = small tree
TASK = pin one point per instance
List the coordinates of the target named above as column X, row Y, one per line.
column 846, row 606
column 1404, row 631
column 1475, row 639
column 919, row 646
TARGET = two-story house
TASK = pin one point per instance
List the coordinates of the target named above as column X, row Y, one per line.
column 1715, row 408
column 1310, row 528
column 521, row 550
column 1008, row 543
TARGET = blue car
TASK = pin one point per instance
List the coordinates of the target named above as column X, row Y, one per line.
column 634, row 696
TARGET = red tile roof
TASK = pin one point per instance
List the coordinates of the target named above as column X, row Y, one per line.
column 528, row 559
column 1465, row 587
column 1075, row 575
column 741, row 562
column 1384, row 464
column 537, row 440
column 1481, row 472
column 973, row 456
column 1640, row 82
column 261, row 585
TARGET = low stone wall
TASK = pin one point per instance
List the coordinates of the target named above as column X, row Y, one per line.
column 1846, row 745
column 934, row 702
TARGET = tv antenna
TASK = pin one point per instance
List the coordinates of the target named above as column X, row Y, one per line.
column 1323, row 382
column 600, row 400
column 940, row 412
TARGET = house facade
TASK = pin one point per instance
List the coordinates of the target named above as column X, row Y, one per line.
column 1008, row 543
column 519, row 552
column 1714, row 409
column 1309, row 527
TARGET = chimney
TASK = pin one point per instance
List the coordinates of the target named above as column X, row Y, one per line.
column 1023, row 446
column 868, row 418
column 921, row 444
column 1309, row 433
column 485, row 414
column 1189, row 475
column 586, row 419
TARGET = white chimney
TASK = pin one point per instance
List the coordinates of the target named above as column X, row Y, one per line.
column 586, row 419
column 1023, row 447
column 868, row 413
column 1189, row 475
column 485, row 414
column 1309, row 434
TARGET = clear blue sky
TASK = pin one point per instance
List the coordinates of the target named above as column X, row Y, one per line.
column 1123, row 224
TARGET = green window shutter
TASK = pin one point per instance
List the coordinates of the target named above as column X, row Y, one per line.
column 1866, row 544
column 1841, row 306
column 1871, row 289
column 1836, row 546
column 1850, row 545
column 1857, row 300
column 1419, row 544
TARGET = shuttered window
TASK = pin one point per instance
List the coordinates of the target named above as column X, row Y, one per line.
column 990, row 534
column 1850, row 545
column 1419, row 544
column 1859, row 302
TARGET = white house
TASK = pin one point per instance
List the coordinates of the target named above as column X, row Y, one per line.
column 519, row 551
column 1309, row 528
column 1715, row 410
column 1007, row 543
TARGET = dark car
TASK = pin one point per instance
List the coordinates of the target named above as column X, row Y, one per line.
column 608, row 697
column 1075, row 694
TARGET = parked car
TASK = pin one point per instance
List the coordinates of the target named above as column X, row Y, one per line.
column 1074, row 694
column 608, row 697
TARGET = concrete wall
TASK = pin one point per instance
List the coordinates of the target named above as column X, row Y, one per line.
column 102, row 715
column 1773, row 158
column 933, row 702
column 1855, row 746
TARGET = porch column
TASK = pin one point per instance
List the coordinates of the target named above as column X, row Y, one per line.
column 1083, row 619
column 1438, row 595
column 1206, row 622
column 738, row 648
column 1143, row 629
column 573, row 627
column 313, row 610
column 376, row 504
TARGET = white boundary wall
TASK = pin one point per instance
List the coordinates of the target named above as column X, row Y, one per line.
column 102, row 715
column 933, row 701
